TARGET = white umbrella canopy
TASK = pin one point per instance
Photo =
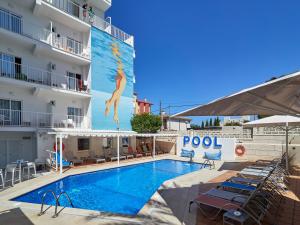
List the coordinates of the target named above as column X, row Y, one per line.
column 287, row 122
column 275, row 121
column 280, row 96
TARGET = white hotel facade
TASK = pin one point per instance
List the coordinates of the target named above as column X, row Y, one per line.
column 45, row 71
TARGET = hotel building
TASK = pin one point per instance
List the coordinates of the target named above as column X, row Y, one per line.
column 63, row 68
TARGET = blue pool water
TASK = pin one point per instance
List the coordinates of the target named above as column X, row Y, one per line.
column 123, row 190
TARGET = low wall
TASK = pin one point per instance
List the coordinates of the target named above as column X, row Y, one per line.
column 225, row 145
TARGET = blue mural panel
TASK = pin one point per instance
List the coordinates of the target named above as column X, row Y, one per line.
column 112, row 82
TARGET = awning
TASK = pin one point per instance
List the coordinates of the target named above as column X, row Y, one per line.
column 106, row 133
column 276, row 97
column 286, row 122
column 275, row 121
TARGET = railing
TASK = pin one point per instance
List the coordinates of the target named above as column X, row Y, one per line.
column 112, row 30
column 69, row 7
column 77, row 11
column 19, row 118
column 13, row 23
column 38, row 76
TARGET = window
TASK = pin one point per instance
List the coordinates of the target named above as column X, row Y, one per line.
column 75, row 114
column 74, row 81
column 10, row 112
column 74, row 46
column 107, row 143
column 83, row 144
column 10, row 21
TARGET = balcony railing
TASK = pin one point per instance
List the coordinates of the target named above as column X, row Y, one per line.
column 70, row 8
column 13, row 23
column 38, row 76
column 77, row 11
column 112, row 30
column 19, row 118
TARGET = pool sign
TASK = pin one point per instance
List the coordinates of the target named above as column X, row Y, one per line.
column 206, row 141
column 209, row 144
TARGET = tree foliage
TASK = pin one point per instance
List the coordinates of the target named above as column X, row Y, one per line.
column 195, row 127
column 146, row 123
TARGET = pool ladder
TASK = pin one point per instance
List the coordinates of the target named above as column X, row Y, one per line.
column 42, row 212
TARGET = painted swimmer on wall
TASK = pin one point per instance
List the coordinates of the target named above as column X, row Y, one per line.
column 120, row 84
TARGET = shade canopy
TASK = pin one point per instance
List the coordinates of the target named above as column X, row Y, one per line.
column 276, row 97
column 275, row 121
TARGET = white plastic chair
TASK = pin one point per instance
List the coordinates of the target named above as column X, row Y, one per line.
column 12, row 168
column 2, row 180
column 29, row 165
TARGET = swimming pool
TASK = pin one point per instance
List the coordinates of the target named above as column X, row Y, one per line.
column 123, row 190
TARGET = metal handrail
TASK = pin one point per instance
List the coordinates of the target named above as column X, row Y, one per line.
column 42, row 212
column 42, row 206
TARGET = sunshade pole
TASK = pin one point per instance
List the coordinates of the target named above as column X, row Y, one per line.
column 61, row 154
column 287, row 146
column 153, row 153
column 56, row 165
column 118, row 147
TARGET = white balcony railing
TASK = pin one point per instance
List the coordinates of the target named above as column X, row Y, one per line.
column 14, row 23
column 19, row 118
column 38, row 76
column 79, row 12
column 69, row 7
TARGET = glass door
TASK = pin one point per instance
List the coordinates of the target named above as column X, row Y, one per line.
column 10, row 112
column 71, row 81
column 7, row 67
column 16, row 114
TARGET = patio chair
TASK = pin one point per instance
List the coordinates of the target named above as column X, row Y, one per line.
column 71, row 158
column 140, row 151
column 188, row 154
column 65, row 163
column 127, row 154
column 96, row 158
column 28, row 166
column 136, row 154
column 146, row 151
column 2, row 179
column 210, row 158
column 12, row 169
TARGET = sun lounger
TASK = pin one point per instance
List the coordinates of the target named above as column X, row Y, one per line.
column 65, row 163
column 246, row 181
column 115, row 158
column 145, row 150
column 98, row 159
column 136, row 154
column 228, row 195
column 214, row 202
column 237, row 186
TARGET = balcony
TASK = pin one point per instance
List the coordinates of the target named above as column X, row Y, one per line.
column 25, row 73
column 25, row 119
column 73, row 15
column 31, row 34
column 113, row 31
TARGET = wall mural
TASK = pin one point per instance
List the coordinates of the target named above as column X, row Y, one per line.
column 112, row 82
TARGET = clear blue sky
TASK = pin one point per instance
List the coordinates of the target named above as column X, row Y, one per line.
column 194, row 51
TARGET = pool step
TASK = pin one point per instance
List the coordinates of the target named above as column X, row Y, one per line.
column 56, row 214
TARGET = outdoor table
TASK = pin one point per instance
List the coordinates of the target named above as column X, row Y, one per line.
column 20, row 163
column 231, row 219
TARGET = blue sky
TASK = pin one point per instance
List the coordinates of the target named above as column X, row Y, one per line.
column 193, row 51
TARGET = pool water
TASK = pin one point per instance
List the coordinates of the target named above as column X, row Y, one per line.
column 123, row 190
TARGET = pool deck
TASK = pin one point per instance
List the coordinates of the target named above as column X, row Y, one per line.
column 169, row 205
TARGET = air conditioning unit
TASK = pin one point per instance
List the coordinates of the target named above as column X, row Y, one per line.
column 52, row 66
